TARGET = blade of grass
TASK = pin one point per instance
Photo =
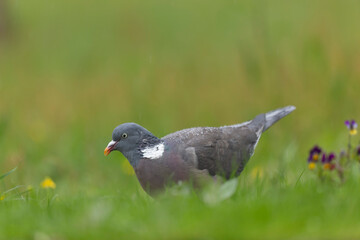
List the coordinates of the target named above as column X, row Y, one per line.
column 297, row 181
column 14, row 188
column 8, row 173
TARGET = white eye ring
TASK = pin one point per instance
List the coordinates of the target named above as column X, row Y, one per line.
column 124, row 135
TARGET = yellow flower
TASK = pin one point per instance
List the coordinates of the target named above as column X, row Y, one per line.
column 2, row 197
column 327, row 166
column 312, row 165
column 257, row 172
column 353, row 131
column 127, row 168
column 352, row 126
column 48, row 183
column 315, row 157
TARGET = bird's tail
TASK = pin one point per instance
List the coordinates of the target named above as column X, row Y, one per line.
column 274, row 116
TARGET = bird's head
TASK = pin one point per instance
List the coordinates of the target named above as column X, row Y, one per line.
column 128, row 138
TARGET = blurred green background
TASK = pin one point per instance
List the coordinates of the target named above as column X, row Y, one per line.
column 70, row 71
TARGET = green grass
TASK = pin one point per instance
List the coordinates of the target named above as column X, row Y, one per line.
column 70, row 71
column 266, row 208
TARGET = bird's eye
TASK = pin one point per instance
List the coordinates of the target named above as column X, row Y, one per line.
column 124, row 135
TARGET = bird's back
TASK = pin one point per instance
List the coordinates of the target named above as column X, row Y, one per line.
column 225, row 150
column 222, row 151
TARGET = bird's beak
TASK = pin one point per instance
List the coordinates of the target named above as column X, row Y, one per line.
column 109, row 147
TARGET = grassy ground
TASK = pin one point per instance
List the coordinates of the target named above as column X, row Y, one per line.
column 71, row 71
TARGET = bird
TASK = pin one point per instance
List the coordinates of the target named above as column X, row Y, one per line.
column 194, row 155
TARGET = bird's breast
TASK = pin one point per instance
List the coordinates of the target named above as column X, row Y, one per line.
column 155, row 174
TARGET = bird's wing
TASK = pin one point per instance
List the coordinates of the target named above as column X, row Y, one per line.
column 221, row 151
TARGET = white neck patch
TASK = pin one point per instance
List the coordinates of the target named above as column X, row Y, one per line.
column 153, row 152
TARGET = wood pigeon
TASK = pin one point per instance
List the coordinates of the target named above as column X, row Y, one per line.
column 194, row 154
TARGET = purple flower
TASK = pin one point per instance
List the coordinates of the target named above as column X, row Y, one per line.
column 326, row 161
column 327, row 158
column 342, row 154
column 352, row 126
column 314, row 154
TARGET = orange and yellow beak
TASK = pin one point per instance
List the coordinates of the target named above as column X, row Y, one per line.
column 107, row 151
column 109, row 147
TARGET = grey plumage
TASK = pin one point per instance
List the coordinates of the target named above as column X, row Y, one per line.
column 195, row 154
